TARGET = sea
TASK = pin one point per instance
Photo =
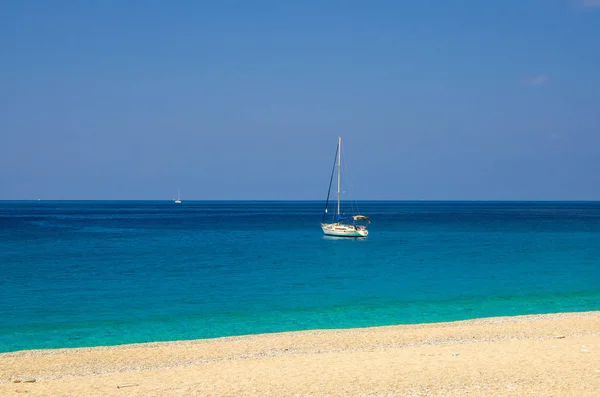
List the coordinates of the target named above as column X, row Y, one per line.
column 96, row 273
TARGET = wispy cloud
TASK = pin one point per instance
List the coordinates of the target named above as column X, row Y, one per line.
column 537, row 81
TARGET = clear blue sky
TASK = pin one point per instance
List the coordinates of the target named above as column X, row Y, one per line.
column 245, row 99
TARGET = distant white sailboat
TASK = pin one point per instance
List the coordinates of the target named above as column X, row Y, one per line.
column 342, row 226
column 178, row 201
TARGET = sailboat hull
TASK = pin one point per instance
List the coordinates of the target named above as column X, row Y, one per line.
column 339, row 230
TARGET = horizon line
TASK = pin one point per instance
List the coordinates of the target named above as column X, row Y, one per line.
column 305, row 200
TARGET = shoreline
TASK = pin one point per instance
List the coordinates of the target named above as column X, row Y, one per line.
column 480, row 320
column 533, row 353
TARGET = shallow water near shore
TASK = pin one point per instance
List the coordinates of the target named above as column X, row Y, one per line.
column 104, row 273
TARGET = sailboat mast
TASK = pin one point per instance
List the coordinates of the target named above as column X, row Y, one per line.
column 339, row 163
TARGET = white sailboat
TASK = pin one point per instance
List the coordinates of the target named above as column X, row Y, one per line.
column 342, row 226
column 178, row 201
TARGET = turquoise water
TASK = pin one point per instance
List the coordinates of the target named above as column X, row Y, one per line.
column 104, row 273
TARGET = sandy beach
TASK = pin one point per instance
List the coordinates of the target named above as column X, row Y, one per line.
column 537, row 355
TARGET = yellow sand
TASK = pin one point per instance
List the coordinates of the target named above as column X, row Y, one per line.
column 542, row 355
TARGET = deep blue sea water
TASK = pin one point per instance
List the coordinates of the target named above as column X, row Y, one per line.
column 104, row 273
